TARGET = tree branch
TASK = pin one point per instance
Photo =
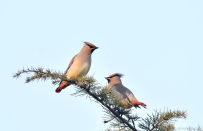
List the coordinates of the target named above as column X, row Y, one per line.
column 87, row 85
column 84, row 83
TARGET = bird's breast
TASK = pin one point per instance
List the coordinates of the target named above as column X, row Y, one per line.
column 79, row 69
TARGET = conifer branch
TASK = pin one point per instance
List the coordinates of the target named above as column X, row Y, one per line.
column 84, row 85
column 199, row 128
column 160, row 120
column 119, row 117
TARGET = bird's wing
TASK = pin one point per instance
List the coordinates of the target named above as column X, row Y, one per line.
column 122, row 90
column 71, row 62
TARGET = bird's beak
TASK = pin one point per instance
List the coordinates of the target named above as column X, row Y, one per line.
column 107, row 78
column 96, row 47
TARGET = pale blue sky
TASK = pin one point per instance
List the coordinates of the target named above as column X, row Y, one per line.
column 157, row 45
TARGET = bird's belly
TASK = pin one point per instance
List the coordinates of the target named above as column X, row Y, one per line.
column 78, row 71
column 125, row 103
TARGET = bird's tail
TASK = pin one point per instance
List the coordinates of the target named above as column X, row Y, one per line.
column 62, row 86
column 137, row 103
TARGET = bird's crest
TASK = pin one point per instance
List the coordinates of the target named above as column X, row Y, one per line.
column 90, row 45
column 116, row 74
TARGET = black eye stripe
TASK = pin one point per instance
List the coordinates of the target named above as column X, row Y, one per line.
column 90, row 46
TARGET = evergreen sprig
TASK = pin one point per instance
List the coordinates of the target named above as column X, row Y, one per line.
column 161, row 121
column 199, row 128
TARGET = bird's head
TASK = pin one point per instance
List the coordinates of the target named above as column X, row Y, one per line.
column 90, row 47
column 114, row 77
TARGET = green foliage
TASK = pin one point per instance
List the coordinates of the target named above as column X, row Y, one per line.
column 39, row 73
column 195, row 129
column 161, row 121
column 120, row 119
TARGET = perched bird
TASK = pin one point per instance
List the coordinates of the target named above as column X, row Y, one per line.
column 122, row 93
column 79, row 65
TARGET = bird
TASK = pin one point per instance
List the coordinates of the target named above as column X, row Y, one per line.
column 122, row 93
column 79, row 65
